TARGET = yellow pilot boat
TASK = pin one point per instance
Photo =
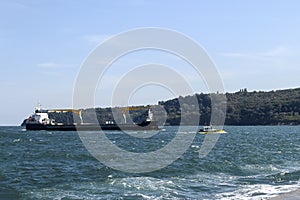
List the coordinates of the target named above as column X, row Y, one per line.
column 211, row 130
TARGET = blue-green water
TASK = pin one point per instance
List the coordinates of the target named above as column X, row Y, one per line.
column 247, row 163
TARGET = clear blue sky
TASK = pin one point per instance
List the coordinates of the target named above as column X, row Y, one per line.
column 255, row 44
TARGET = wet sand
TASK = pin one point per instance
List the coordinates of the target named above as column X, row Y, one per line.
column 294, row 195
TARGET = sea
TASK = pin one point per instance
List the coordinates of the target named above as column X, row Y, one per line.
column 248, row 162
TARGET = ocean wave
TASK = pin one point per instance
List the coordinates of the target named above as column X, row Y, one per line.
column 257, row 192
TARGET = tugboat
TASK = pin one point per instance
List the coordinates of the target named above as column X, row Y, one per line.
column 40, row 121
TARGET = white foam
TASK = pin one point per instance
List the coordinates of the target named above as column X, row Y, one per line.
column 147, row 183
column 17, row 140
column 128, row 187
column 257, row 192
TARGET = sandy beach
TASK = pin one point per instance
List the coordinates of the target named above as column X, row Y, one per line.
column 294, row 195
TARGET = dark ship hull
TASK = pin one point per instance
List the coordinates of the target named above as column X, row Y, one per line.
column 92, row 127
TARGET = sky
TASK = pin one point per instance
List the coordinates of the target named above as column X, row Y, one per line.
column 43, row 44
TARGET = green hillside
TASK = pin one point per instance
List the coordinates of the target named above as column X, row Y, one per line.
column 279, row 107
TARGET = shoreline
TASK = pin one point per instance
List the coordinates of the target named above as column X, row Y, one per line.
column 293, row 195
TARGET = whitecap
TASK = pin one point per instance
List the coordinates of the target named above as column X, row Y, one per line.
column 257, row 192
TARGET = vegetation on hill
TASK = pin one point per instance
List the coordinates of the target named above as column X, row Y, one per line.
column 281, row 107
column 263, row 108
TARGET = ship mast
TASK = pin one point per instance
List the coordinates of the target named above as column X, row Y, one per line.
column 126, row 109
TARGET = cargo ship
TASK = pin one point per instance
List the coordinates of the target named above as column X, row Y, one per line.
column 40, row 121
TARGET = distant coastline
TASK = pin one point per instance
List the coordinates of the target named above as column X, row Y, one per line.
column 280, row 107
